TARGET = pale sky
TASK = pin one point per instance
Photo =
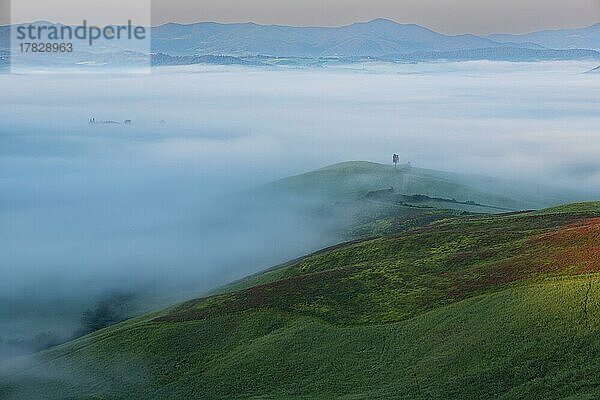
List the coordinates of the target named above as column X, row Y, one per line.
column 446, row 16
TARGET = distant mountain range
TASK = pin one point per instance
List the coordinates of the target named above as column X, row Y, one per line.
column 376, row 38
column 380, row 39
column 583, row 38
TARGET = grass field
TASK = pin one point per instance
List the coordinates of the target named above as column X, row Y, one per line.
column 354, row 179
column 473, row 307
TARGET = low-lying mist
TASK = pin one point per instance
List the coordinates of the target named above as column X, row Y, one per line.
column 162, row 208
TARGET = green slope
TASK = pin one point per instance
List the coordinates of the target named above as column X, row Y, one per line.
column 356, row 178
column 321, row 221
column 525, row 342
column 358, row 199
column 503, row 306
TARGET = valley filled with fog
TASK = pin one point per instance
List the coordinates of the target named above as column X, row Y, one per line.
column 160, row 205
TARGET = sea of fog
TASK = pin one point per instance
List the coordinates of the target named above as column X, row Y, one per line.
column 88, row 208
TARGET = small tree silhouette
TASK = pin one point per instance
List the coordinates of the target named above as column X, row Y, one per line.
column 396, row 160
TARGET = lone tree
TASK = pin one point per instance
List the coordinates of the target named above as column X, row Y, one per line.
column 396, row 160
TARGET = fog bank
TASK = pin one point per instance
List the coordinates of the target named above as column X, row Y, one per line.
column 160, row 203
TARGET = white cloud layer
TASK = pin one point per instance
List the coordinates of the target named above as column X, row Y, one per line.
column 87, row 207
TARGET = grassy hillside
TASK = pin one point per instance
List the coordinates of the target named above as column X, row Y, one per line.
column 355, row 179
column 342, row 202
column 358, row 199
column 472, row 307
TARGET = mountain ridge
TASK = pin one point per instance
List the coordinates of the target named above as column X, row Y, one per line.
column 376, row 40
column 586, row 37
column 389, row 35
column 372, row 38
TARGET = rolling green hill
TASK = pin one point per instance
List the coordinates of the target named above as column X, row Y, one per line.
column 341, row 202
column 358, row 199
column 354, row 179
column 468, row 307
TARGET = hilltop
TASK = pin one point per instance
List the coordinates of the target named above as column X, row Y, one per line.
column 467, row 307
column 357, row 199
column 355, row 179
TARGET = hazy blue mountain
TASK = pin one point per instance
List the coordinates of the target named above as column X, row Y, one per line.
column 380, row 39
column 582, row 38
column 374, row 38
